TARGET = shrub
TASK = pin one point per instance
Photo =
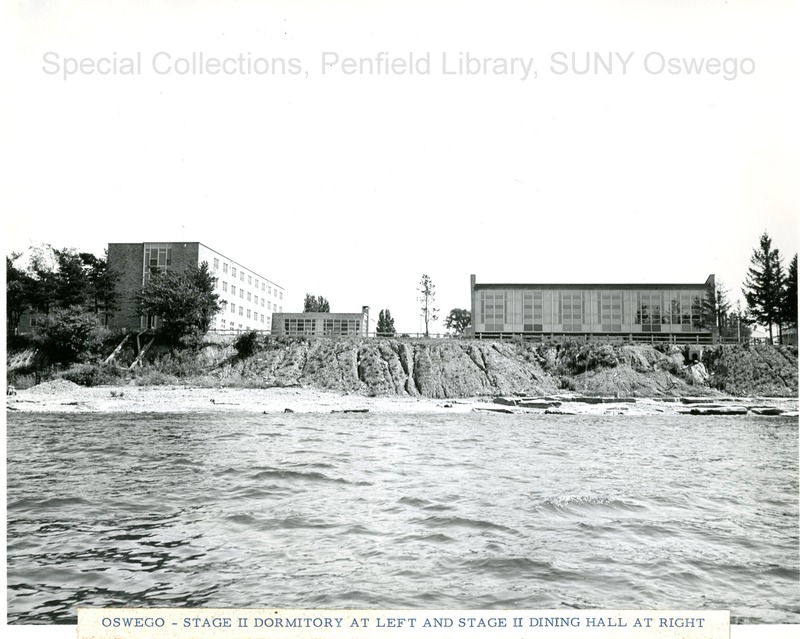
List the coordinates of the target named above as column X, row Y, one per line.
column 93, row 374
column 567, row 383
column 246, row 344
column 576, row 357
column 71, row 335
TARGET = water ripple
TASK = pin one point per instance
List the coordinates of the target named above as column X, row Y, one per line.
column 386, row 511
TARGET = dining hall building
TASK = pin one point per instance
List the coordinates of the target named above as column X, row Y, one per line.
column 657, row 312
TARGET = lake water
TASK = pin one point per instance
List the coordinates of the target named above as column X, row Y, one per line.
column 397, row 511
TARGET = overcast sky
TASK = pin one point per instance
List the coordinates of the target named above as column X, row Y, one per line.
column 352, row 186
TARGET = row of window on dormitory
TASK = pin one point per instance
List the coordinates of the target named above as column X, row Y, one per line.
column 586, row 310
column 252, row 280
column 253, row 298
column 233, row 295
column 263, row 297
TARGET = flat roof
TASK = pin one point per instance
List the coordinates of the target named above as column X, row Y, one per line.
column 315, row 315
column 239, row 264
column 594, row 286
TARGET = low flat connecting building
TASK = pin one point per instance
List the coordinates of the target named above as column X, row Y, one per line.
column 671, row 312
column 248, row 299
column 321, row 324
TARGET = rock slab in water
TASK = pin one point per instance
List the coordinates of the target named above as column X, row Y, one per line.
column 766, row 410
column 718, row 410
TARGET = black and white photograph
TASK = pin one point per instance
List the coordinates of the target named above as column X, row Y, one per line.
column 380, row 305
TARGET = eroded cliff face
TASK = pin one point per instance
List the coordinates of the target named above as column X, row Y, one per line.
column 450, row 368
column 755, row 370
column 438, row 369
column 468, row 368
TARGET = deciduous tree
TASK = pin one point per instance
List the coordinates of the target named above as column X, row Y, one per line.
column 184, row 301
column 458, row 320
column 43, row 271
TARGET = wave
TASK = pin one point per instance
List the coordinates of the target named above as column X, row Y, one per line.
column 505, row 566
column 436, row 521
column 293, row 522
column 414, row 501
column 438, row 538
column 587, row 503
column 537, row 518
column 52, row 503
column 312, row 476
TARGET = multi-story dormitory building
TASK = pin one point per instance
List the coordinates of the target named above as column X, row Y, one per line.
column 248, row 299
column 655, row 311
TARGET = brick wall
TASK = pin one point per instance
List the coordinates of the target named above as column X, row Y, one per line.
column 127, row 261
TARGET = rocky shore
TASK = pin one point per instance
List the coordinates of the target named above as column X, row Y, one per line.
column 401, row 375
column 445, row 369
column 61, row 396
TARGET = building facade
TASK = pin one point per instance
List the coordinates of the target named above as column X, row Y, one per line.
column 248, row 299
column 321, row 324
column 657, row 311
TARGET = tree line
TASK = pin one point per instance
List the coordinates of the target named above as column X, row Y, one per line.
column 71, row 295
column 56, row 280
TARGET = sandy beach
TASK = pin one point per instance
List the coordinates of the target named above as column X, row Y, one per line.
column 61, row 396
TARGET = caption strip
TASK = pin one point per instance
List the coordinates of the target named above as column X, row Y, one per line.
column 121, row 623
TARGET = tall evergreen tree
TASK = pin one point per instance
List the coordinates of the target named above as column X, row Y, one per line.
column 72, row 286
column 104, row 296
column 716, row 307
column 764, row 286
column 427, row 298
column 385, row 327
column 789, row 314
column 18, row 293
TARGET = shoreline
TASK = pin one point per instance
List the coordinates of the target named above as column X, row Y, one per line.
column 65, row 397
